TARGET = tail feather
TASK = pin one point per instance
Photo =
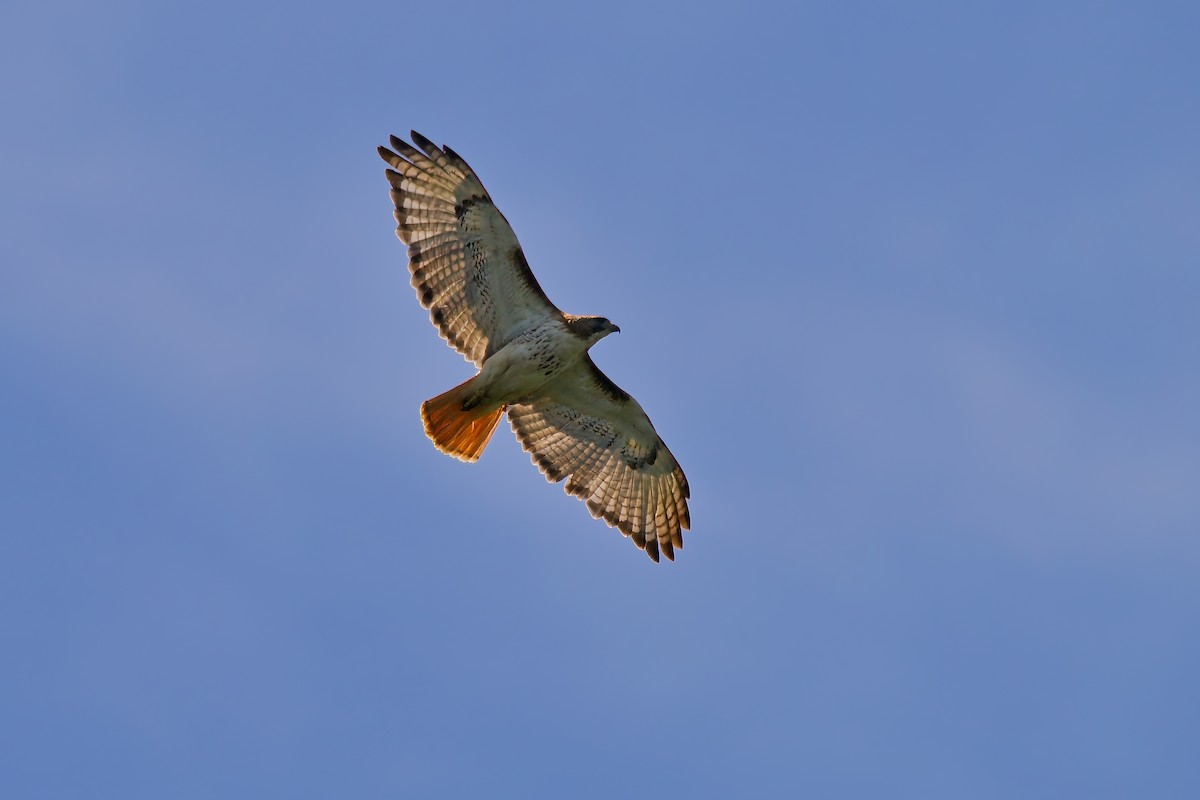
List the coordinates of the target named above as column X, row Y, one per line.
column 455, row 431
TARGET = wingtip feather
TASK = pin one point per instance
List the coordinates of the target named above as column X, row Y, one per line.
column 423, row 143
column 652, row 549
column 668, row 549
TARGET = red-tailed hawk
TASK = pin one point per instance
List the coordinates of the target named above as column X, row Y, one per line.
column 469, row 271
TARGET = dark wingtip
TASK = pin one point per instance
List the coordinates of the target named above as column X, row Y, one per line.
column 397, row 142
column 423, row 143
column 652, row 549
column 668, row 549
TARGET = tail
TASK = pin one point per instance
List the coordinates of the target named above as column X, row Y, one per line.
column 455, row 431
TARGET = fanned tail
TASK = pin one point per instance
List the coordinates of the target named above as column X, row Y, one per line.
column 462, row 433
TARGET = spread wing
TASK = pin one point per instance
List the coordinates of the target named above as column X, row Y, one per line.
column 466, row 263
column 587, row 430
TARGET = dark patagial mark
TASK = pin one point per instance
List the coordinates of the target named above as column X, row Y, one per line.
column 606, row 385
column 525, row 273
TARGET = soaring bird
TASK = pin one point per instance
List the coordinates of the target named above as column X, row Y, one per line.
column 470, row 273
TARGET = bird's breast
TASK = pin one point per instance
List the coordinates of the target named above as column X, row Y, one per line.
column 528, row 362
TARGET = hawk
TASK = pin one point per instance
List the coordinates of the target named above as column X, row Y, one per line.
column 576, row 424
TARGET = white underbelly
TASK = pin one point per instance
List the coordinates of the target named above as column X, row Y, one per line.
column 523, row 366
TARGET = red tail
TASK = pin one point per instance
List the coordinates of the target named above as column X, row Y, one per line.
column 462, row 434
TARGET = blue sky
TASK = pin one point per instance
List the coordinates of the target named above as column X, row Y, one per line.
column 911, row 292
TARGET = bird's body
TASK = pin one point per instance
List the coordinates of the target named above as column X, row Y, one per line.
column 535, row 357
column 470, row 272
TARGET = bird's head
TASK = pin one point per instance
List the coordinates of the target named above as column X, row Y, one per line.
column 591, row 329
